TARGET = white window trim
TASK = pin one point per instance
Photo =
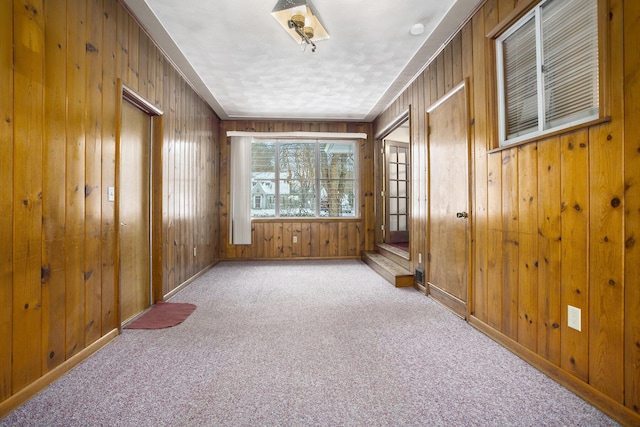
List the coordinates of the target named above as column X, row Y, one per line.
column 299, row 135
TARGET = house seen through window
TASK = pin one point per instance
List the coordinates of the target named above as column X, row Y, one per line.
column 303, row 178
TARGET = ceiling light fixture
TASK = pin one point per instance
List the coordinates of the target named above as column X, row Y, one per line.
column 300, row 19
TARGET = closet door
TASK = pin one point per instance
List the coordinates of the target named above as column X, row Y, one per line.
column 449, row 201
column 134, row 212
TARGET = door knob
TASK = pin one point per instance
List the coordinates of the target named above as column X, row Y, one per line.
column 462, row 215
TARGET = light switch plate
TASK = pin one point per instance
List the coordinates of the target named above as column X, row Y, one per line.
column 574, row 315
column 111, row 194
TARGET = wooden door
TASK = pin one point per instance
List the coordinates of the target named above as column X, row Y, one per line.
column 398, row 170
column 134, row 212
column 448, row 236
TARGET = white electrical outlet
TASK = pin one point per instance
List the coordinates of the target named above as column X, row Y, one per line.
column 111, row 194
column 574, row 318
column 295, row 239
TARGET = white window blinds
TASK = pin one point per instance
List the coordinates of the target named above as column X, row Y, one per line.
column 570, row 46
column 548, row 74
column 521, row 81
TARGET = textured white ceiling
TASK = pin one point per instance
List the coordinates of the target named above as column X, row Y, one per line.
column 246, row 66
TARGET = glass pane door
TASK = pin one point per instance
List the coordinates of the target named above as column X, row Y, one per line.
column 398, row 176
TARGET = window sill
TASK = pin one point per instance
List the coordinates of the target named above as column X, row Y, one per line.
column 551, row 134
column 307, row 219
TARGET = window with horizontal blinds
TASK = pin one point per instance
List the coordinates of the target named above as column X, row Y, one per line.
column 570, row 52
column 548, row 76
column 521, row 82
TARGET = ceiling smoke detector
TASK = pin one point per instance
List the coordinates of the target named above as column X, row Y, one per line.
column 417, row 29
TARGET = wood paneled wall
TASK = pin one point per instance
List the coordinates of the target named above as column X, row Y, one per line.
column 555, row 222
column 190, row 183
column 59, row 65
column 316, row 238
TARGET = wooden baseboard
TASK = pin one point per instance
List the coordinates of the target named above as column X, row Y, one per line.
column 187, row 282
column 29, row 391
column 297, row 258
column 609, row 406
column 454, row 304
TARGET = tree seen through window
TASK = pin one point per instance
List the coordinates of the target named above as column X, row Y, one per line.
column 303, row 179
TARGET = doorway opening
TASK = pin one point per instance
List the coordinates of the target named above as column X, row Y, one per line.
column 395, row 196
column 392, row 188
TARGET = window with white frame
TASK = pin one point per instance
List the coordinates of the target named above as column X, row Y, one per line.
column 548, row 70
column 304, row 178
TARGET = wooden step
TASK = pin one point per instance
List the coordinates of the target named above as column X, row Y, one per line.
column 396, row 255
column 398, row 276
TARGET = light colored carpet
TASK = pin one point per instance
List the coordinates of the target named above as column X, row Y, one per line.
column 312, row 343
